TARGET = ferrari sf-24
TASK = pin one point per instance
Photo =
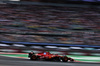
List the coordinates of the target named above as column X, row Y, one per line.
column 50, row 57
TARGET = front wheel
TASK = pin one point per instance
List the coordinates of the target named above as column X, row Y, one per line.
column 65, row 59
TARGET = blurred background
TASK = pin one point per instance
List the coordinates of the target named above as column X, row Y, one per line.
column 70, row 27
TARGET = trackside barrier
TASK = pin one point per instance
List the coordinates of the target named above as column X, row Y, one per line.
column 53, row 52
column 11, row 50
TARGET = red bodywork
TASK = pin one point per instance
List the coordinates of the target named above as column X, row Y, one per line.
column 49, row 56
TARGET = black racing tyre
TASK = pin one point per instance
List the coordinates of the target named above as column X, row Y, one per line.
column 34, row 57
column 65, row 59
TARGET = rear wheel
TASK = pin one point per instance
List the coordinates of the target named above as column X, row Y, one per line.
column 34, row 57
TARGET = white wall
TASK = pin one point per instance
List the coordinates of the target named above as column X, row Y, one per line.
column 9, row 0
column 14, row 0
column 4, row 0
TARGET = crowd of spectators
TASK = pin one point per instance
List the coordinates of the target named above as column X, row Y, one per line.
column 82, row 23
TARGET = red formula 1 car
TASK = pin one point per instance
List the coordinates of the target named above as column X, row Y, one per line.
column 50, row 57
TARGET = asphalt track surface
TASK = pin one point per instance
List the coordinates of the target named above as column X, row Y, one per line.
column 8, row 61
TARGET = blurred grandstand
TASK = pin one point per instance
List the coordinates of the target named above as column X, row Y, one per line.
column 39, row 23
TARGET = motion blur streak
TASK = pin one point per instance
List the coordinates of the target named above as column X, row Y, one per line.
column 7, row 61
